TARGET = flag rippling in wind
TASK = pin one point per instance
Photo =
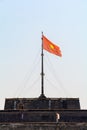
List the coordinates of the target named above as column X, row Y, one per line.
column 50, row 47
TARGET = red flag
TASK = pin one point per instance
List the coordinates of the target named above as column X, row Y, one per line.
column 50, row 47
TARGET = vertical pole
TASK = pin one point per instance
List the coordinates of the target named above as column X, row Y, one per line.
column 42, row 69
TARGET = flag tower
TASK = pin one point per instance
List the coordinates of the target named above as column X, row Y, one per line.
column 52, row 48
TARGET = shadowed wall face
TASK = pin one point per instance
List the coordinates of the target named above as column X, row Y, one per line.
column 42, row 110
column 38, row 103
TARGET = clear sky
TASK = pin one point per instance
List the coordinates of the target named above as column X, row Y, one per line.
column 64, row 22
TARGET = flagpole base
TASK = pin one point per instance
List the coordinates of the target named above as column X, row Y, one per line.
column 42, row 96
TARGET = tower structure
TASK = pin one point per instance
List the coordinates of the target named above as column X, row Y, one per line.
column 43, row 113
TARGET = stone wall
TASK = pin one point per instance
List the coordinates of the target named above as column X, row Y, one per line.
column 42, row 103
column 44, row 126
column 47, row 116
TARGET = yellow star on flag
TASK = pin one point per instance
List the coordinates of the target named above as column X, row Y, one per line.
column 51, row 46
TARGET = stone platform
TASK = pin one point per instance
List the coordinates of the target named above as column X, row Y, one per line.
column 41, row 114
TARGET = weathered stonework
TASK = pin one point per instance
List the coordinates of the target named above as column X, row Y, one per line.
column 41, row 114
column 44, row 126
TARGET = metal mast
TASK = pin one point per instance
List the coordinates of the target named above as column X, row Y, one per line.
column 42, row 69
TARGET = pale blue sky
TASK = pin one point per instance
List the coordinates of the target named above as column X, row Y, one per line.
column 64, row 22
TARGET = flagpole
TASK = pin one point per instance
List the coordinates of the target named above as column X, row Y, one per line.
column 42, row 69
